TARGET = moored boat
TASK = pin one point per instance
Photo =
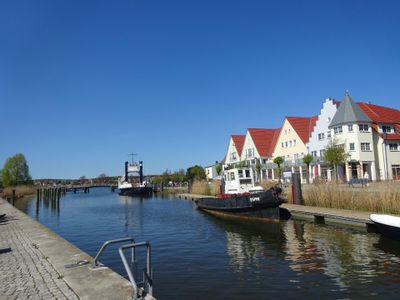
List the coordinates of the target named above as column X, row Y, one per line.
column 127, row 187
column 387, row 225
column 242, row 197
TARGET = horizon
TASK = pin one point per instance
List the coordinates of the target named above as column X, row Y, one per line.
column 85, row 84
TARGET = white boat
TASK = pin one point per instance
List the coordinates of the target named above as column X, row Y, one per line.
column 387, row 225
column 128, row 188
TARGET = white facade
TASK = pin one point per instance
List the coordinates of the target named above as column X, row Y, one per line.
column 211, row 172
column 319, row 139
column 232, row 155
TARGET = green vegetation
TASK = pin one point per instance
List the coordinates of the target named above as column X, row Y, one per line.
column 335, row 155
column 279, row 161
column 195, row 173
column 218, row 169
column 16, row 171
column 307, row 159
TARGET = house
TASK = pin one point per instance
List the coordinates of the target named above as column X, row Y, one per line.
column 370, row 135
column 257, row 150
column 291, row 143
column 234, row 152
column 211, row 171
column 320, row 138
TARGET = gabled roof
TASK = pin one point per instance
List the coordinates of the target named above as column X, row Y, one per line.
column 349, row 112
column 239, row 142
column 380, row 114
column 303, row 126
column 264, row 140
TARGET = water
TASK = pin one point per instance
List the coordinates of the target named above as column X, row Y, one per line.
column 197, row 256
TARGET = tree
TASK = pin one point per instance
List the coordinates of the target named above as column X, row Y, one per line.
column 307, row 159
column 335, row 155
column 16, row 171
column 166, row 177
column 195, row 173
column 218, row 168
column 278, row 161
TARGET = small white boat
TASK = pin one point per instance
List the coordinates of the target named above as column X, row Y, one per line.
column 387, row 225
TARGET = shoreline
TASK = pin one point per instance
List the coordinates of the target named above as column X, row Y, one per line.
column 22, row 236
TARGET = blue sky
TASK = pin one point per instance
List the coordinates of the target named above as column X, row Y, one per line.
column 84, row 83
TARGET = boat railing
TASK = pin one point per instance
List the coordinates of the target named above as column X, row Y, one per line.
column 144, row 287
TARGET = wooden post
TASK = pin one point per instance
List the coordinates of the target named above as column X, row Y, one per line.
column 296, row 189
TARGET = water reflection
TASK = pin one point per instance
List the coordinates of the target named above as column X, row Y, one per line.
column 348, row 257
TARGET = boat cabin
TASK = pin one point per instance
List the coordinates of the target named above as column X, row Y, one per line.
column 240, row 180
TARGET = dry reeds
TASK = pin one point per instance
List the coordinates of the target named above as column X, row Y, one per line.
column 206, row 188
column 20, row 191
column 378, row 197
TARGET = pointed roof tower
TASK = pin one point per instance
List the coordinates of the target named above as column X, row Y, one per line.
column 349, row 112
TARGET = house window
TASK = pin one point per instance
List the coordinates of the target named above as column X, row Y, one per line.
column 328, row 134
column 350, row 127
column 351, row 146
column 321, row 136
column 286, row 144
column 247, row 173
column 283, row 145
column 240, row 173
column 386, row 129
column 393, row 147
column 294, row 143
column 290, row 143
column 365, row 147
column 314, row 153
column 338, row 129
column 363, row 127
column 232, row 176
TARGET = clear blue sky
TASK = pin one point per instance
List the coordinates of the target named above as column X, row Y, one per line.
column 84, row 83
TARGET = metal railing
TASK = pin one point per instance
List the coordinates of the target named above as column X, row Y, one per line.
column 147, row 283
column 110, row 242
column 140, row 289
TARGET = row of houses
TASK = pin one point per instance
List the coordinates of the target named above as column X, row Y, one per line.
column 369, row 133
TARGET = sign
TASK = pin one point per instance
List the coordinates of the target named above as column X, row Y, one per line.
column 287, row 175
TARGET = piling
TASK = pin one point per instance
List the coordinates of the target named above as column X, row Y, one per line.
column 296, row 189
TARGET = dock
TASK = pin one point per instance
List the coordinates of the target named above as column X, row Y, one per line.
column 36, row 263
column 316, row 214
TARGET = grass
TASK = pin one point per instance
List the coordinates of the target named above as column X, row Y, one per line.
column 20, row 191
column 378, row 197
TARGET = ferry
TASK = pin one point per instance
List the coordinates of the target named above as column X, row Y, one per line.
column 126, row 187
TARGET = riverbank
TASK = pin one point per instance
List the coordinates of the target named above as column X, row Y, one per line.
column 20, row 192
column 34, row 264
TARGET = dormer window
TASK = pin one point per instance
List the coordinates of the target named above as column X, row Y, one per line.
column 363, row 127
column 386, row 129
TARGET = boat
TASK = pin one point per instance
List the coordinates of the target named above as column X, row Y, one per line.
column 242, row 198
column 387, row 225
column 127, row 187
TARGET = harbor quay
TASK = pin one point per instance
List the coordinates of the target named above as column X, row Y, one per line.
column 36, row 263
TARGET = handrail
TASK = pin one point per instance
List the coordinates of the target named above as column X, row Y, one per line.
column 107, row 243
column 147, row 273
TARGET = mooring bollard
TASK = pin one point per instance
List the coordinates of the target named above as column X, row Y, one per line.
column 296, row 189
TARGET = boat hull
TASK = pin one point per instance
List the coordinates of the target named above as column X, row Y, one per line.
column 260, row 205
column 387, row 225
column 136, row 191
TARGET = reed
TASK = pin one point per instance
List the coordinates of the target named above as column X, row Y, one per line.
column 379, row 197
column 20, row 191
column 206, row 188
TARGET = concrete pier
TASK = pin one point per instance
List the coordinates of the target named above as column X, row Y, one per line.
column 317, row 214
column 35, row 264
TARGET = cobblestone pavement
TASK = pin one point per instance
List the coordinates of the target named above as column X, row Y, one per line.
column 25, row 273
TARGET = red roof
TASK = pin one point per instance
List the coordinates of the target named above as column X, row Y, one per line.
column 303, row 126
column 239, row 142
column 264, row 140
column 380, row 114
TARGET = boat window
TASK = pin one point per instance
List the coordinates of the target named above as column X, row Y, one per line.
column 240, row 172
column 232, row 176
column 247, row 173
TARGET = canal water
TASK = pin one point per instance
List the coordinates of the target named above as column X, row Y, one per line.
column 198, row 256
